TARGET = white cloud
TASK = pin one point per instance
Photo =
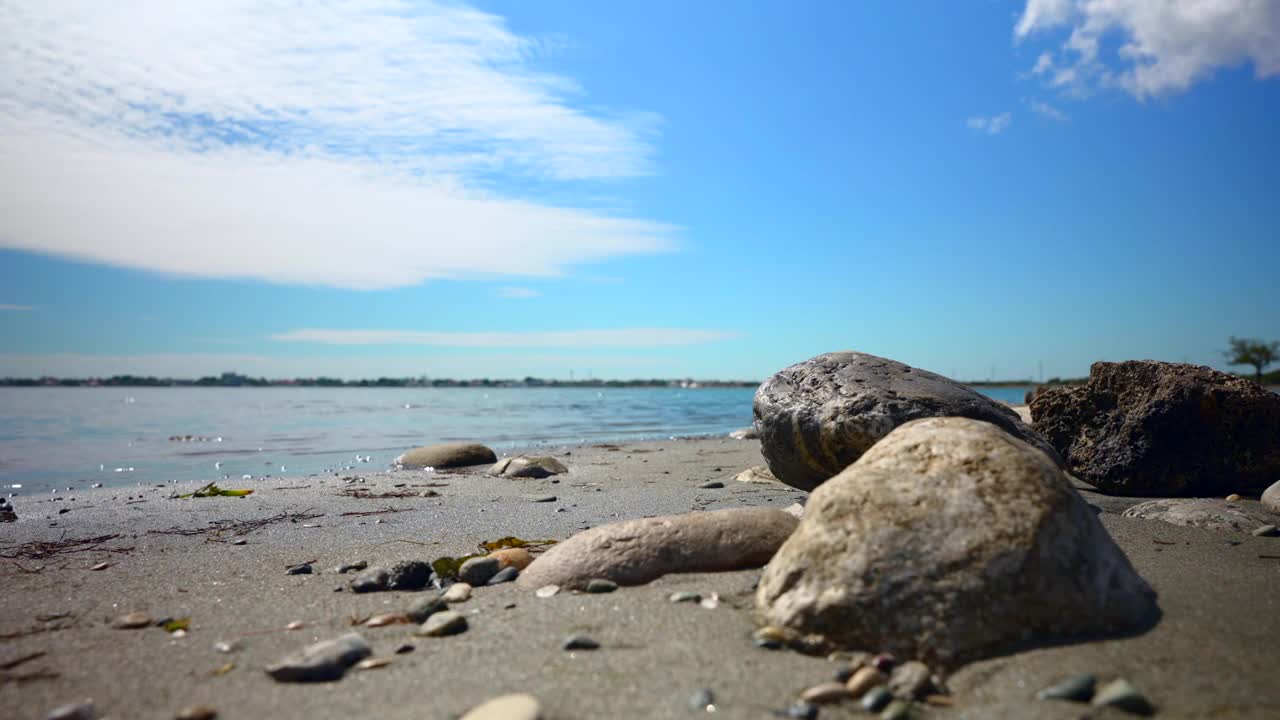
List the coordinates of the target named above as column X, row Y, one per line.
column 518, row 293
column 351, row 143
column 14, row 308
column 1166, row 45
column 993, row 125
column 1049, row 111
column 621, row 337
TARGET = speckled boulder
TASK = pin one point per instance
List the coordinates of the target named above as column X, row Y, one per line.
column 446, row 455
column 527, row 466
column 634, row 552
column 1164, row 429
column 817, row 417
column 1207, row 513
column 949, row 541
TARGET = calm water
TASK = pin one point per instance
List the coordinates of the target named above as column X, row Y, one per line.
column 73, row 437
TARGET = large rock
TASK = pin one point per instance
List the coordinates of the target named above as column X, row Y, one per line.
column 950, row 541
column 1208, row 513
column 527, row 466
column 634, row 552
column 817, row 417
column 1271, row 498
column 1164, row 429
column 447, row 455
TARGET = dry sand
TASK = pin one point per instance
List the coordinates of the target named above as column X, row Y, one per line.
column 1213, row 654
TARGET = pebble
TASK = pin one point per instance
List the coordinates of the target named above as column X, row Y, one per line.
column 710, row 602
column 386, row 619
column 295, row 625
column 1233, row 497
column 352, row 567
column 519, row 558
column 712, row 485
column 133, row 621
column 1122, row 694
column 445, row 622
column 405, row 649
column 74, row 711
column 1078, row 688
column 373, row 663
column 457, row 592
column 426, row 607
column 547, row 591
column 1266, row 531
column 226, row 646
column 241, row 541
column 684, row 596
column 702, row 699
column 910, row 680
column 828, row 692
column 863, row 680
column 409, row 575
column 303, row 569
column 323, row 661
column 542, row 498
column 196, row 712
column 579, row 642
column 505, row 575
column 843, row 673
column 876, row 698
column 884, row 662
column 371, row 580
column 517, row 706
column 800, row 711
column 897, row 709
column 601, row 585
column 477, row 571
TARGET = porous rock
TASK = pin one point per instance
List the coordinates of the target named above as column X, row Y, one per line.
column 525, row 466
column 948, row 541
column 1164, row 429
column 633, row 552
column 1207, row 513
column 817, row 417
column 322, row 662
column 447, row 455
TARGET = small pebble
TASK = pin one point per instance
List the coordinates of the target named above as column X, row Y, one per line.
column 373, row 663
column 579, row 642
column 601, row 585
column 1079, row 688
column 303, row 569
column 1233, row 497
column 910, row 680
column 864, row 679
column 518, row 706
column 321, row 662
column 799, row 711
column 713, row 485
column 240, row 541
column 447, row 622
column 1266, row 531
column 897, row 709
column 702, row 699
column 542, row 498
column 133, row 621
column 196, row 712
column 352, row 567
column 76, row 711
column 884, row 662
column 457, row 592
column 505, row 575
column 828, row 692
column 405, row 649
column 386, row 619
column 773, row 633
column 547, row 591
column 371, row 580
column 1122, row 694
column 710, row 602
column 224, row 646
column 685, row 596
column 478, row 571
column 766, row 644
column 425, row 608
column 843, row 673
column 876, row 698
column 295, row 625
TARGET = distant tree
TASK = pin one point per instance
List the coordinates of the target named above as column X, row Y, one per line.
column 1249, row 351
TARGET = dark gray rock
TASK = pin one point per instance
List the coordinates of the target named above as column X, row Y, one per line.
column 447, row 455
column 1122, row 694
column 505, row 575
column 817, row 417
column 409, row 575
column 1077, row 689
column 525, row 466
column 1164, row 429
column 322, row 662
column 303, row 569
column 352, row 567
column 478, row 571
column 601, row 585
column 579, row 642
column 372, row 580
column 425, row 608
column 440, row 624
column 876, row 699
column 711, row 485
column 910, row 680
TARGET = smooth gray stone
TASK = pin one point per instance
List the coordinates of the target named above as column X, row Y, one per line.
column 425, row 608
column 876, row 698
column 322, row 662
column 579, row 642
column 445, row 622
column 601, row 585
column 303, row 569
column 447, row 455
column 1122, row 694
column 1207, row 513
column 372, row 580
column 505, row 575
column 910, row 680
column 478, row 571
column 1078, row 689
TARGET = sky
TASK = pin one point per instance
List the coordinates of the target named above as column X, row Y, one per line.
column 987, row 188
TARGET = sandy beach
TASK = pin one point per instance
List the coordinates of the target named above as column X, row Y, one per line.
column 1212, row 654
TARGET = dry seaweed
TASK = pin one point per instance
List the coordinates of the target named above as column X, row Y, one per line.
column 220, row 530
column 212, row 490
column 364, row 494
column 42, row 549
column 11, row 664
column 383, row 511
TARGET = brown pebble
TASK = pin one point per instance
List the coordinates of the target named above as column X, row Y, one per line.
column 865, row 679
column 133, row 621
column 940, row 700
column 387, row 619
column 1233, row 497
column 373, row 663
column 196, row 712
column 828, row 692
column 518, row 558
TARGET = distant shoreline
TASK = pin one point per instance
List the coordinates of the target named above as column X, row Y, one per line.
column 234, row 380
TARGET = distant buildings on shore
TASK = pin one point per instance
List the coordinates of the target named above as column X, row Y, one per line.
column 231, row 379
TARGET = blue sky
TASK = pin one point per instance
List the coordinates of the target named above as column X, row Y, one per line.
column 664, row 189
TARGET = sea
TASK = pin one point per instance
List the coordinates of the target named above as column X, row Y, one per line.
column 68, row 438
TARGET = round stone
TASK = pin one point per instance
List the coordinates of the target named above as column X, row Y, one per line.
column 1122, row 694
column 457, row 592
column 863, row 680
column 446, row 622
column 547, row 591
column 133, row 621
column 829, row 692
column 505, row 575
column 601, row 585
column 478, row 571
column 579, row 642
column 517, row 706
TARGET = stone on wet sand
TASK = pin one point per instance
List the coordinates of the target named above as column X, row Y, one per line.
column 634, row 552
column 1207, row 513
column 426, row 607
column 73, row 711
column 579, row 642
column 1271, row 498
column 910, row 680
column 519, row 558
column 1122, row 694
column 517, row 706
column 1164, row 429
column 445, row 622
column 601, row 585
column 817, row 417
column 825, row 693
column 505, row 575
column 373, row 579
column 863, row 679
column 132, row 621
column 457, row 592
column 447, row 455
column 477, row 571
column 408, row 575
column 1078, row 688
column 324, row 661
column 970, row 542
column 526, row 466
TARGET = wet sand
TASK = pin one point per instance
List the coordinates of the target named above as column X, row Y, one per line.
column 1213, row 654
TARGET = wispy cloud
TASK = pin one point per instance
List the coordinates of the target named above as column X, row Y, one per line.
column 14, row 308
column 1047, row 110
column 1167, row 45
column 618, row 338
column 518, row 293
column 993, row 125
column 346, row 143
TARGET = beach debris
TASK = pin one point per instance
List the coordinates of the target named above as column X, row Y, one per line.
column 222, row 670
column 405, row 649
column 517, row 706
column 1122, row 694
column 915, row 491
column 301, row 569
column 176, row 625
column 324, row 661
column 1077, row 688
column 516, row 557
column 478, row 570
column 221, row 530
column 825, row 693
column 579, row 642
column 526, row 466
column 601, row 585
column 360, row 493
column 445, row 455
column 1164, row 429
column 634, row 552
column 863, row 679
column 457, row 592
column 1207, row 513
column 547, row 591
column 711, row 485
column 45, row 549
column 443, row 623
column 505, row 575
column 910, row 680
column 101, row 566
column 425, row 608
column 373, row 663
column 875, row 699
column 212, row 490
column 745, row 434
column 197, row 712
column 704, row 700
column 817, row 417
column 1266, row 531
column 685, row 596
column 510, row 541
column 75, row 711
column 384, row 511
column 132, row 621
